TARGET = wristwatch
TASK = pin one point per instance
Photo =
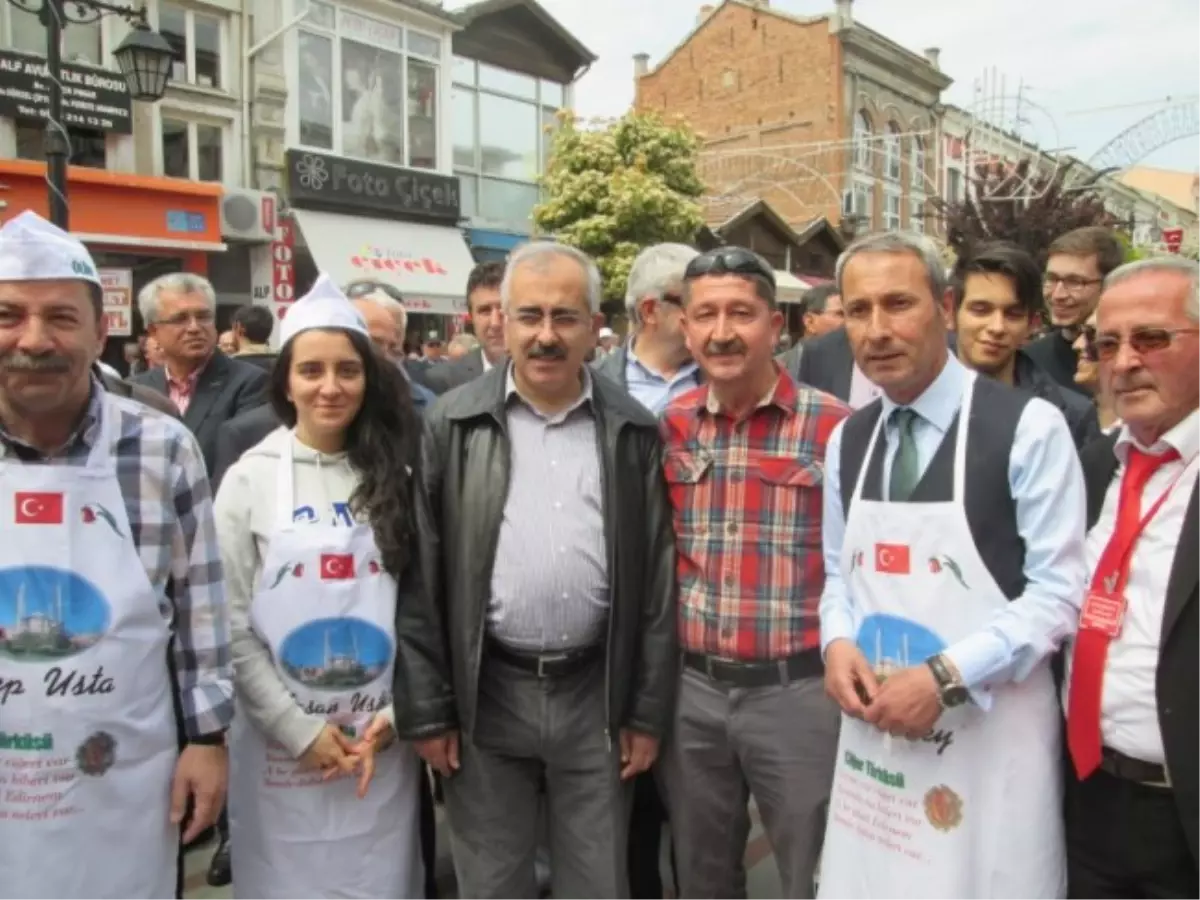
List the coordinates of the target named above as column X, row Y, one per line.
column 953, row 692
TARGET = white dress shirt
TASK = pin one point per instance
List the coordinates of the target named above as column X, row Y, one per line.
column 862, row 389
column 1129, row 708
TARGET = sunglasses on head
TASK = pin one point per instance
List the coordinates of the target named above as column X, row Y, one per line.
column 1143, row 341
column 730, row 261
column 356, row 289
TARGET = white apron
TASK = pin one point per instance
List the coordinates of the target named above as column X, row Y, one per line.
column 327, row 610
column 974, row 810
column 88, row 742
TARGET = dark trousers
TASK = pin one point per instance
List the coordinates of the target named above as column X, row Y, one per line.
column 645, row 841
column 1125, row 839
column 428, row 829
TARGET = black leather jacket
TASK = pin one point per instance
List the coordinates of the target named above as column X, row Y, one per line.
column 466, row 473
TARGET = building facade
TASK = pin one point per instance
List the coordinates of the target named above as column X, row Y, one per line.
column 819, row 115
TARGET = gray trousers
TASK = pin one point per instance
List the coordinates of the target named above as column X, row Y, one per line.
column 776, row 744
column 526, row 728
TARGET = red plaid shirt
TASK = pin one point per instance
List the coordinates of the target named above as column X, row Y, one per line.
column 747, row 500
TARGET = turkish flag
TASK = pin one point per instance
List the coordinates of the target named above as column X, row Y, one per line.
column 38, row 508
column 891, row 558
column 336, row 566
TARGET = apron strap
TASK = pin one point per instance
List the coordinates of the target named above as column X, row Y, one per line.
column 285, row 475
column 866, row 461
column 104, row 447
column 960, row 442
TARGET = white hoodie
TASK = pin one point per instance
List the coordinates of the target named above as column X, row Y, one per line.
column 246, row 518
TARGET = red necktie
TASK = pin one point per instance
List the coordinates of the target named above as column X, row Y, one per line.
column 1091, row 646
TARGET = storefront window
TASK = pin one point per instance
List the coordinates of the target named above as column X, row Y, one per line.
column 372, row 103
column 315, row 93
column 422, row 115
column 87, row 146
column 80, row 43
column 508, row 137
column 462, row 108
column 424, row 45
column 508, row 203
column 464, row 71
column 504, row 81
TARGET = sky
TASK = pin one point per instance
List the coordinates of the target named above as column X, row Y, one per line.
column 1091, row 68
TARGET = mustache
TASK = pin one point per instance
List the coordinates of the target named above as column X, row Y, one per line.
column 547, row 351
column 724, row 348
column 18, row 361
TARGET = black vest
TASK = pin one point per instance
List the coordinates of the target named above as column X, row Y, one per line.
column 991, row 512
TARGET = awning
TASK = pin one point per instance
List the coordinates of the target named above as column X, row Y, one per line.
column 428, row 264
column 789, row 288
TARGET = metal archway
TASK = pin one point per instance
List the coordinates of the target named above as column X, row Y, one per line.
column 1139, row 140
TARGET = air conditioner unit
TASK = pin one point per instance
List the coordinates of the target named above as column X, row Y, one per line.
column 249, row 215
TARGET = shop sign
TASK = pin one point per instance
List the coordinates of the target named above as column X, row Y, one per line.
column 91, row 97
column 118, row 301
column 340, row 184
column 1173, row 238
column 273, row 271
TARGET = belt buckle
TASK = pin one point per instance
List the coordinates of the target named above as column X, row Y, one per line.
column 551, row 659
column 1166, row 780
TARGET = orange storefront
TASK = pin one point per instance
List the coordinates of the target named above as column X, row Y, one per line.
column 136, row 226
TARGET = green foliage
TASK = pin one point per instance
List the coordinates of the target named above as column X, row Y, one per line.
column 611, row 190
column 1057, row 205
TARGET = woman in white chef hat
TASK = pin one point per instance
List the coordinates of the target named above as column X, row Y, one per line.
column 317, row 528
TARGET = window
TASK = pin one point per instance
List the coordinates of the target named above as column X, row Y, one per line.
column 917, row 163
column 468, row 203
column 192, row 150
column 916, row 213
column 862, row 142
column 197, row 40
column 80, row 43
column 508, row 137
column 954, row 185
column 367, row 88
column 891, row 152
column 891, row 211
column 87, row 147
column 462, row 111
column 508, row 202
column 502, row 81
column 464, row 71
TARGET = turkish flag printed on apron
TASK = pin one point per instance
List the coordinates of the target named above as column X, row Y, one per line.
column 974, row 809
column 88, row 744
column 326, row 609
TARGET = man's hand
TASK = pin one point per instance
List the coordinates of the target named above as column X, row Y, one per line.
column 908, row 703
column 440, row 752
column 201, row 773
column 375, row 739
column 638, row 752
column 331, row 752
column 849, row 679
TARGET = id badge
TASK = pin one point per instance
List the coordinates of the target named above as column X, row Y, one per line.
column 1103, row 612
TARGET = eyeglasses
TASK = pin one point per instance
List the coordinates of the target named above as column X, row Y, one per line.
column 358, row 289
column 183, row 319
column 560, row 319
column 730, row 261
column 1073, row 283
column 1142, row 340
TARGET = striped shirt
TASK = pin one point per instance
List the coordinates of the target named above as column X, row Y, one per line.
column 747, row 504
column 550, row 577
column 169, row 504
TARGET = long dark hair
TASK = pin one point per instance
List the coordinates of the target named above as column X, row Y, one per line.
column 382, row 445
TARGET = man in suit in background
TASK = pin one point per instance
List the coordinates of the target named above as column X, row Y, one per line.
column 206, row 386
column 252, row 327
column 820, row 313
column 1133, row 792
column 487, row 321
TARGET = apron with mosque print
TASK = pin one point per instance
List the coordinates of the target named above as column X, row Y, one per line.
column 326, row 610
column 88, row 743
column 973, row 809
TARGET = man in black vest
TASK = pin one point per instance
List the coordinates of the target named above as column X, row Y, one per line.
column 1132, row 698
column 953, row 534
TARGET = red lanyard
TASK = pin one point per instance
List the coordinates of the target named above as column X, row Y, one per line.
column 1120, row 573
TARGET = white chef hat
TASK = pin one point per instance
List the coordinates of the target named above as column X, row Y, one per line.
column 32, row 249
column 325, row 306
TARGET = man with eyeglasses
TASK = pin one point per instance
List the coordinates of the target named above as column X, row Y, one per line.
column 745, row 457
column 547, row 651
column 206, row 386
column 654, row 365
column 1131, row 689
column 1077, row 264
column 954, row 567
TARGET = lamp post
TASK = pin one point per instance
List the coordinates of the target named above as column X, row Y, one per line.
column 144, row 58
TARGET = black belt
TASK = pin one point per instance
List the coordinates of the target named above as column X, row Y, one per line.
column 545, row 665
column 1119, row 765
column 807, row 664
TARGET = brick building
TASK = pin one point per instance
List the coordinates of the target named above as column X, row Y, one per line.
column 818, row 115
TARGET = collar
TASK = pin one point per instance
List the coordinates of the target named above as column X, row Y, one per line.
column 585, row 396
column 256, row 350
column 688, row 370
column 940, row 402
column 483, row 358
column 188, row 382
column 1184, row 437
column 85, row 433
column 782, row 395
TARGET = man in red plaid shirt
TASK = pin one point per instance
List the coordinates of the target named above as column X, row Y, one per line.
column 745, row 460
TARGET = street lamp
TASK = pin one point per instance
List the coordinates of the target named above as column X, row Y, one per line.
column 144, row 58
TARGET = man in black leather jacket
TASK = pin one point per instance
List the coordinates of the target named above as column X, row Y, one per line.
column 462, row 664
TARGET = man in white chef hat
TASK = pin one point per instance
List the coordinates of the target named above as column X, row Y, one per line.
column 114, row 626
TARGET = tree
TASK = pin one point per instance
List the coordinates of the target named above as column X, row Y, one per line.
column 1011, row 203
column 613, row 188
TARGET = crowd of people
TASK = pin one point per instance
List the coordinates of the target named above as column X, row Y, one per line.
column 923, row 588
